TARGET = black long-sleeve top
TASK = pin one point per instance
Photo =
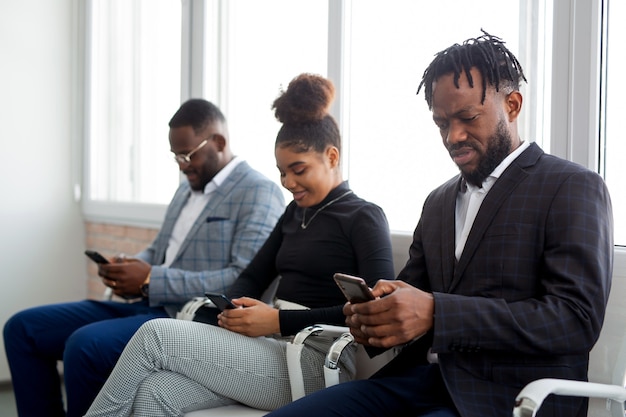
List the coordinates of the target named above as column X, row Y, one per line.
column 350, row 235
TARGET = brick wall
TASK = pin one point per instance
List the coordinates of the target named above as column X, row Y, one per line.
column 110, row 240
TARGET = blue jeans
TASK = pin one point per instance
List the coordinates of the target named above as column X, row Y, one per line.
column 413, row 391
column 88, row 336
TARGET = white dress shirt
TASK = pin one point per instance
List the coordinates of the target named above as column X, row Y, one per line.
column 468, row 201
column 193, row 207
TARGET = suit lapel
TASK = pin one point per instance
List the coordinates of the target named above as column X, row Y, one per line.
column 176, row 206
column 217, row 198
column 503, row 187
column 448, row 233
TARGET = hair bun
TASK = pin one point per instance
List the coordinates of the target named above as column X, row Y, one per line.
column 307, row 99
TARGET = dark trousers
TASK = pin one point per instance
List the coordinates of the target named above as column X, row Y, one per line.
column 88, row 336
column 394, row 392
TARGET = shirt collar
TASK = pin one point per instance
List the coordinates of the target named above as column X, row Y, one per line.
column 221, row 176
column 488, row 182
column 509, row 159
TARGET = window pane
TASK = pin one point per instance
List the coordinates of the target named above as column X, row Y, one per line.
column 263, row 55
column 396, row 153
column 615, row 145
column 134, row 90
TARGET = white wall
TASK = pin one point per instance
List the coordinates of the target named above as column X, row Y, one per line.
column 41, row 226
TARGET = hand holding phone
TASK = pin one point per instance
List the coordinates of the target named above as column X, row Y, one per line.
column 355, row 289
column 96, row 257
column 220, row 301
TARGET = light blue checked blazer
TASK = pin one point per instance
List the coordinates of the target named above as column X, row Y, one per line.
column 229, row 231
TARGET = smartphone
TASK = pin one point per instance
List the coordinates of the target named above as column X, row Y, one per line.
column 96, row 257
column 220, row 300
column 355, row 289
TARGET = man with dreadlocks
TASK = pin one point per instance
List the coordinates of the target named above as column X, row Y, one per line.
column 509, row 270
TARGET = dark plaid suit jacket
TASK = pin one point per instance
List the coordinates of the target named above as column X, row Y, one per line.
column 526, row 300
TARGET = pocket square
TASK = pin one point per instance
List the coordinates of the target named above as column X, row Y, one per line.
column 215, row 219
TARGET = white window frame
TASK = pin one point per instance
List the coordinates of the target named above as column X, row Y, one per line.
column 112, row 212
column 576, row 89
column 574, row 112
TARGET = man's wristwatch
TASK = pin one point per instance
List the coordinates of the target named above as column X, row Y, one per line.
column 145, row 287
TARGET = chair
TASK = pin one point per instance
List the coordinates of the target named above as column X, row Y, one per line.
column 607, row 367
column 109, row 296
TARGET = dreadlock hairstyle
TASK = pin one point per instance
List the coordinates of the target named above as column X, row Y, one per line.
column 303, row 111
column 497, row 65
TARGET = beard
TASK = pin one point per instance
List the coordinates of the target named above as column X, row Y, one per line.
column 498, row 147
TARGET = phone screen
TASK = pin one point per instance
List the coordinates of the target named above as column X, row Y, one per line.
column 355, row 289
column 220, row 300
column 96, row 257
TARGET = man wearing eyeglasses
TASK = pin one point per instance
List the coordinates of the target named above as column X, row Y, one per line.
column 214, row 225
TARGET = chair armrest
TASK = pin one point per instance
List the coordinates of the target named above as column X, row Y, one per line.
column 188, row 312
column 531, row 397
column 337, row 348
column 109, row 296
column 325, row 330
column 331, row 363
column 294, row 352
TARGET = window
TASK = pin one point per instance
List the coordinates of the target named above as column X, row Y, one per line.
column 134, row 88
column 612, row 154
column 143, row 56
column 263, row 55
column 375, row 52
column 396, row 155
column 384, row 49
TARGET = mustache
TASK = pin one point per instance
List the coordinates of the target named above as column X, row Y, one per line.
column 460, row 146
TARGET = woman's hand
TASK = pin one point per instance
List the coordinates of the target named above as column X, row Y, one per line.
column 253, row 318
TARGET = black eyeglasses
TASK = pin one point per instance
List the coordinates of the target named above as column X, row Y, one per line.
column 185, row 159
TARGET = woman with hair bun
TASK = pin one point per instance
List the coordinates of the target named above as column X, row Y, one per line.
column 173, row 366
